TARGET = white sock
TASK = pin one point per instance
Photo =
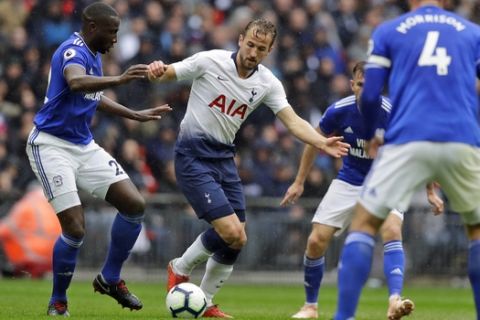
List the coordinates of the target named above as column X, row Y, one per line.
column 193, row 256
column 215, row 276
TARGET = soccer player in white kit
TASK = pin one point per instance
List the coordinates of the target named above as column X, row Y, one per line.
column 227, row 87
column 431, row 60
column 64, row 156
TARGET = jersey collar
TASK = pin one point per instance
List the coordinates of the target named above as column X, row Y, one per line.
column 86, row 45
column 234, row 57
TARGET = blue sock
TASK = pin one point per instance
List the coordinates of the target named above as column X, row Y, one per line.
column 313, row 274
column 474, row 272
column 124, row 233
column 394, row 266
column 65, row 253
column 355, row 265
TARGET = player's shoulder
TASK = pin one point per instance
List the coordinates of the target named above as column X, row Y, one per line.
column 72, row 46
column 216, row 54
column 266, row 75
column 345, row 102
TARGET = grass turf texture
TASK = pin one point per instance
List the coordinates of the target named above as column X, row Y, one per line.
column 27, row 299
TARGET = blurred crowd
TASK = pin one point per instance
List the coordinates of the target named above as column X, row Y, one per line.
column 318, row 42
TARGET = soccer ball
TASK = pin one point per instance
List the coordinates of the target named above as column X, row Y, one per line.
column 186, row 300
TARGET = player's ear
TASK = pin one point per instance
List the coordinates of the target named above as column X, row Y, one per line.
column 240, row 40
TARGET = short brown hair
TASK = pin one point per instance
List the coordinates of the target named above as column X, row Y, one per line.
column 262, row 26
column 359, row 67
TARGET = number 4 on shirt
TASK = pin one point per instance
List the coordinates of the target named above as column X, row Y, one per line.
column 433, row 55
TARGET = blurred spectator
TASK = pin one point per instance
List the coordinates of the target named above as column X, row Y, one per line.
column 27, row 235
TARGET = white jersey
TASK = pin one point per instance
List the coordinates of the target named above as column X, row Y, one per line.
column 220, row 101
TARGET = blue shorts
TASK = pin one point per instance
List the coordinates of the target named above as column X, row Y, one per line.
column 211, row 186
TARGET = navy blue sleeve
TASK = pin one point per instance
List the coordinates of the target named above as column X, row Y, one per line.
column 371, row 99
column 328, row 123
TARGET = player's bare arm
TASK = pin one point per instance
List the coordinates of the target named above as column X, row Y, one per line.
column 306, row 133
column 295, row 191
column 108, row 105
column 79, row 81
column 160, row 72
column 435, row 201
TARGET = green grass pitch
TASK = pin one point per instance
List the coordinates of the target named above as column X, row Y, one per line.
column 27, row 299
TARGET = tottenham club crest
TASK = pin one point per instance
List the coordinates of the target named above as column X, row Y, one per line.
column 254, row 93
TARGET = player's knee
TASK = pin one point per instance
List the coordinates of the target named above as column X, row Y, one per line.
column 234, row 236
column 391, row 231
column 76, row 231
column 317, row 242
column 135, row 207
column 242, row 241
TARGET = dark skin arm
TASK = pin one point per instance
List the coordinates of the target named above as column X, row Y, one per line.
column 79, row 81
column 108, row 105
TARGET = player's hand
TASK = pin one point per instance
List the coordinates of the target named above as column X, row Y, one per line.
column 156, row 69
column 435, row 201
column 137, row 71
column 335, row 147
column 152, row 113
column 293, row 193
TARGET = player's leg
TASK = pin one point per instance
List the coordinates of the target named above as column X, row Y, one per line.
column 356, row 261
column 459, row 178
column 332, row 216
column 126, row 226
column 313, row 268
column 220, row 265
column 396, row 173
column 195, row 179
column 54, row 163
column 65, row 253
column 473, row 232
column 394, row 265
column 102, row 176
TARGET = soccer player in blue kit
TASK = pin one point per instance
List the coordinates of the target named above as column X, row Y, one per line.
column 63, row 155
column 336, row 208
column 430, row 58
column 227, row 87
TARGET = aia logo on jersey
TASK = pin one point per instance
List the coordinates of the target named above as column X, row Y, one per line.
column 231, row 108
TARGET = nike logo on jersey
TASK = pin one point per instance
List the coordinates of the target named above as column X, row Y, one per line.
column 348, row 130
column 219, row 77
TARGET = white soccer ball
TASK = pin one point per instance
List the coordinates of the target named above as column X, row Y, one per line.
column 186, row 300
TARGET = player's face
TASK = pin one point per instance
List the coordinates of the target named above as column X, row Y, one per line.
column 357, row 84
column 105, row 34
column 254, row 46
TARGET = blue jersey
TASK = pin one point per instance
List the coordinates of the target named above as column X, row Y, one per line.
column 66, row 114
column 344, row 118
column 430, row 56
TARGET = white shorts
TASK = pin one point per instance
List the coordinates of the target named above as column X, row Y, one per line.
column 61, row 166
column 400, row 170
column 337, row 206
